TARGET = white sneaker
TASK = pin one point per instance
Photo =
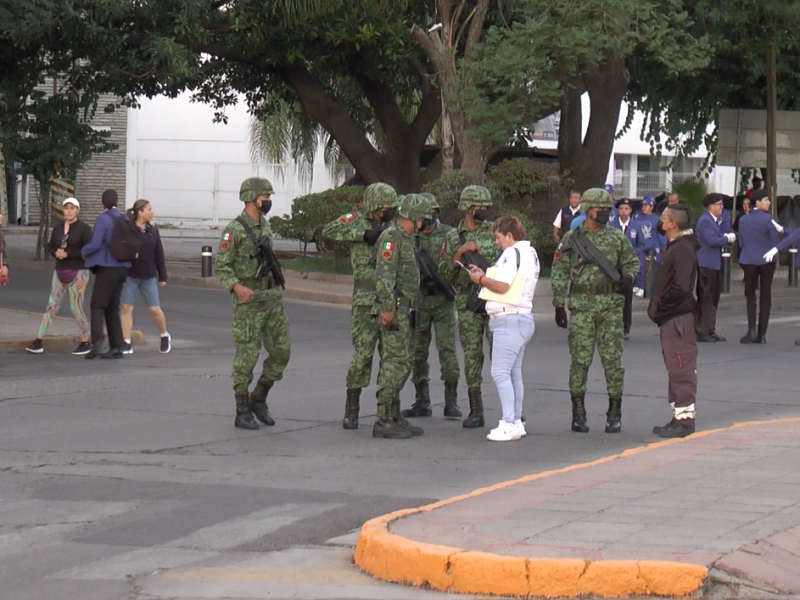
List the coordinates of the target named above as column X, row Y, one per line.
column 638, row 292
column 520, row 428
column 504, row 432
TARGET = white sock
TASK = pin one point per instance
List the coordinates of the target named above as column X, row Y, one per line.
column 127, row 341
column 165, row 334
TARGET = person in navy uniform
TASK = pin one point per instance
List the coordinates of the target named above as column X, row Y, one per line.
column 647, row 239
column 566, row 215
column 709, row 256
column 758, row 234
column 612, row 215
column 629, row 227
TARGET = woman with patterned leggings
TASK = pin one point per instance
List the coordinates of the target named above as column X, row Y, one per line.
column 70, row 275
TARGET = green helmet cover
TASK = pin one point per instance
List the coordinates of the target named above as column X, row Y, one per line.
column 378, row 196
column 432, row 199
column 414, row 207
column 253, row 188
column 474, row 195
column 595, row 198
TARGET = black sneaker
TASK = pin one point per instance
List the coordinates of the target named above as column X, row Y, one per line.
column 127, row 348
column 82, row 349
column 674, row 429
column 166, row 343
column 36, row 347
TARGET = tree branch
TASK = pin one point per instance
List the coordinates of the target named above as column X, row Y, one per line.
column 476, row 29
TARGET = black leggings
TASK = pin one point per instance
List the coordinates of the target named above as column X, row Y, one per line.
column 105, row 304
column 760, row 275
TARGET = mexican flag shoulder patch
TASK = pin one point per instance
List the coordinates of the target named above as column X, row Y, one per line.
column 386, row 250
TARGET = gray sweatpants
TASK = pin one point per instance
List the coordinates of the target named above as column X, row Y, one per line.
column 679, row 347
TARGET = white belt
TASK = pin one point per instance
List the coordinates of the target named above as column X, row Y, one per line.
column 510, row 311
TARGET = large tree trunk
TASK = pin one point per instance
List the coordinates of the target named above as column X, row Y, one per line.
column 399, row 165
column 585, row 159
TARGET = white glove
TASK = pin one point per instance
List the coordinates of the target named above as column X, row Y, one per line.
column 778, row 227
column 770, row 254
column 731, row 237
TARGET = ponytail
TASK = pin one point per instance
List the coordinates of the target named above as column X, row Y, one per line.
column 137, row 207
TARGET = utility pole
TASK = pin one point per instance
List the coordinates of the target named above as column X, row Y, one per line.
column 772, row 146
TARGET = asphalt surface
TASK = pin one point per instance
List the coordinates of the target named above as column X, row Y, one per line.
column 114, row 472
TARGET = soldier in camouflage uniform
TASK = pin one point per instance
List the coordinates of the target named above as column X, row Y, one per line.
column 440, row 242
column 362, row 229
column 595, row 305
column 475, row 235
column 258, row 313
column 396, row 285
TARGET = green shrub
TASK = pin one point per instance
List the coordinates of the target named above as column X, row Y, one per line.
column 310, row 213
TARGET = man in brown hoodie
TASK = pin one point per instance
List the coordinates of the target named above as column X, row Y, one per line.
column 672, row 308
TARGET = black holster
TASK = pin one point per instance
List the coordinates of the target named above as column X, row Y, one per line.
column 414, row 316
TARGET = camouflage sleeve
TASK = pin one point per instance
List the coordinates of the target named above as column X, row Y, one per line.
column 386, row 272
column 559, row 275
column 628, row 259
column 347, row 228
column 226, row 259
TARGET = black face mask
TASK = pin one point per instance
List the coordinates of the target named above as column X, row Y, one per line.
column 480, row 215
column 435, row 214
column 660, row 228
column 265, row 207
column 387, row 215
column 601, row 217
column 426, row 223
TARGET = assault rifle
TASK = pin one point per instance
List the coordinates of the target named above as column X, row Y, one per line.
column 267, row 262
column 429, row 272
column 589, row 254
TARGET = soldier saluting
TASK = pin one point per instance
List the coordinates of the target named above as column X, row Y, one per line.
column 247, row 268
column 589, row 260
column 362, row 230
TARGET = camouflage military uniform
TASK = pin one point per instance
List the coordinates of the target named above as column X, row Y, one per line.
column 396, row 283
column 351, row 228
column 436, row 311
column 260, row 319
column 472, row 326
column 595, row 307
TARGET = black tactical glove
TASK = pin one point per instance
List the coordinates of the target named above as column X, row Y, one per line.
column 625, row 286
column 561, row 317
column 372, row 236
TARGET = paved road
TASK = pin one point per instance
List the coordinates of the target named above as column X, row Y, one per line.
column 114, row 472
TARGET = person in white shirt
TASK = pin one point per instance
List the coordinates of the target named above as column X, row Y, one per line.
column 511, row 322
column 565, row 216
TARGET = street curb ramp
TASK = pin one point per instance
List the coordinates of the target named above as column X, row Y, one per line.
column 397, row 559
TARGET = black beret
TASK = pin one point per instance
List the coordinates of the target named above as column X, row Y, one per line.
column 758, row 195
column 712, row 199
column 622, row 201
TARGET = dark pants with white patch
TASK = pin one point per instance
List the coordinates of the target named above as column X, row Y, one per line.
column 679, row 347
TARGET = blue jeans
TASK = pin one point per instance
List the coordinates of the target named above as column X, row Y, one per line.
column 511, row 333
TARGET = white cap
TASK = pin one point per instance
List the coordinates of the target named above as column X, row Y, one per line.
column 71, row 201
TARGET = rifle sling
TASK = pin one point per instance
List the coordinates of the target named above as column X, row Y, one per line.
column 591, row 254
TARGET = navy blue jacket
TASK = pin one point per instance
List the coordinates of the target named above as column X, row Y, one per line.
column 96, row 252
column 711, row 239
column 757, row 236
column 632, row 232
column 649, row 238
column 792, row 237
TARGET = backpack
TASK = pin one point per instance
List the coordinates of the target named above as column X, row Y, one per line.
column 125, row 241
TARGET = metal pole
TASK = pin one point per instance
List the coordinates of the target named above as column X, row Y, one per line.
column 205, row 261
column 772, row 135
column 726, row 270
column 793, row 266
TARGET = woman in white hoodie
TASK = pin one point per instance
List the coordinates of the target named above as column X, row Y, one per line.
column 510, row 320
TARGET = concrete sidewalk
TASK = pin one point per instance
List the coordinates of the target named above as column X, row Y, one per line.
column 717, row 513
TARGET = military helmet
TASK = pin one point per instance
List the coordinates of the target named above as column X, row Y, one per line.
column 432, row 199
column 595, row 198
column 474, row 195
column 378, row 196
column 414, row 207
column 253, row 188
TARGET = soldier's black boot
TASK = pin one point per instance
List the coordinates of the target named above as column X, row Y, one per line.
column 244, row 418
column 475, row 418
column 401, row 421
column 352, row 407
column 97, row 350
column 451, row 399
column 614, row 415
column 422, row 405
column 579, row 415
column 258, row 403
column 385, row 427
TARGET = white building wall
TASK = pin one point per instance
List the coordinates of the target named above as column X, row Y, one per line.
column 190, row 168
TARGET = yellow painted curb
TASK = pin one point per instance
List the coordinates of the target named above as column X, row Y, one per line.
column 391, row 557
